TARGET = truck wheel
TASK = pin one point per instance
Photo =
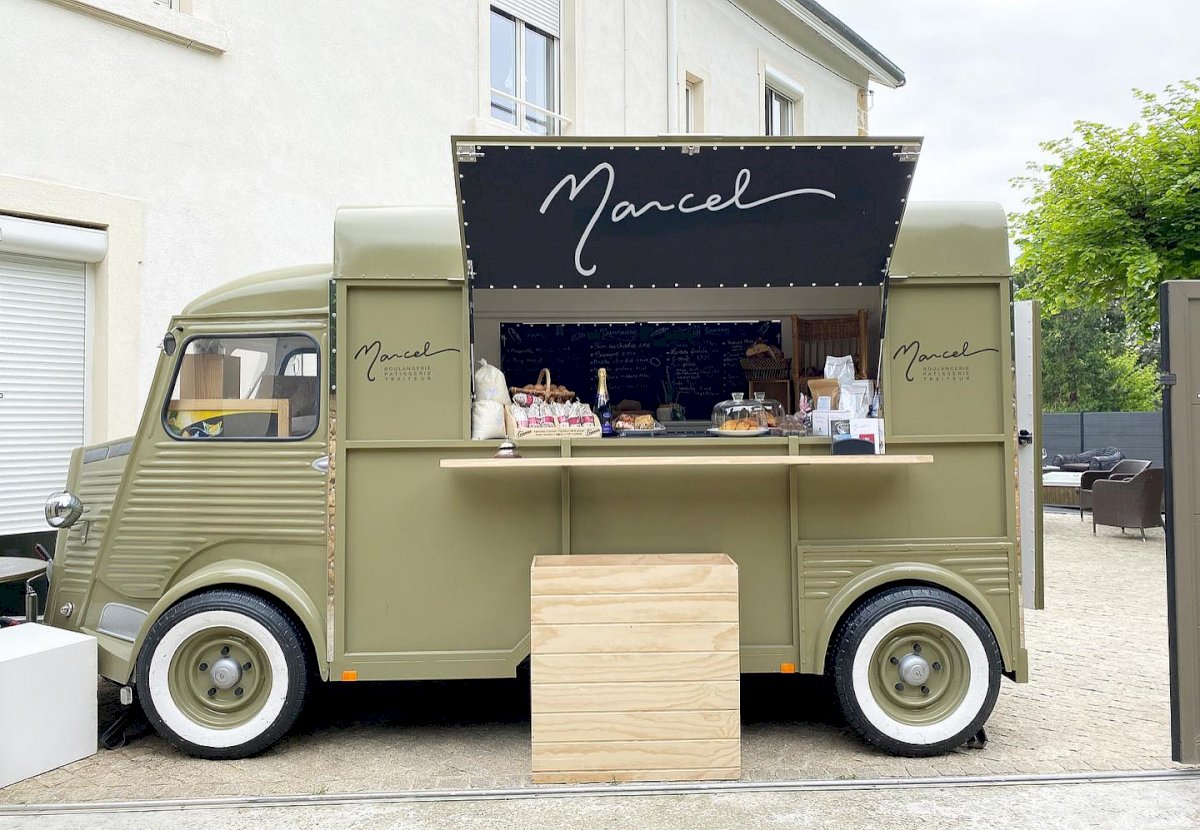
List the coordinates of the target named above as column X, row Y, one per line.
column 917, row 671
column 223, row 674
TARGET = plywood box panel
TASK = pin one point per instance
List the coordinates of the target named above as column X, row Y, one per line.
column 550, row 727
column 616, row 775
column 635, row 697
column 592, row 638
column 634, row 608
column 633, row 666
column 638, row 755
column 566, row 575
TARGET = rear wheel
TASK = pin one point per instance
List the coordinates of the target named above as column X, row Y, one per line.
column 917, row 671
column 223, row 674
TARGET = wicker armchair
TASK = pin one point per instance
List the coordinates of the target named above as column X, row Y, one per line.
column 1133, row 503
column 1124, row 470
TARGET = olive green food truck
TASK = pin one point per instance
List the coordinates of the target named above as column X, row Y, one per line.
column 303, row 499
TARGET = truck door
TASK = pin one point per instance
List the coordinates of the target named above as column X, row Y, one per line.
column 1027, row 353
column 1180, row 315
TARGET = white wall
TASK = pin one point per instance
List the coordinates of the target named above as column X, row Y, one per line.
column 238, row 160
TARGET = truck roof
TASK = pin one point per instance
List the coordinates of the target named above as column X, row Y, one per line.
column 937, row 239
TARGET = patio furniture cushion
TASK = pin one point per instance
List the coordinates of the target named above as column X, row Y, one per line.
column 1104, row 458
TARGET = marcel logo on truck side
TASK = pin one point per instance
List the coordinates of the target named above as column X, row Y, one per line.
column 938, row 365
column 406, row 365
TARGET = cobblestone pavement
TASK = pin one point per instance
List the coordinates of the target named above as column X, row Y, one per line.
column 1098, row 699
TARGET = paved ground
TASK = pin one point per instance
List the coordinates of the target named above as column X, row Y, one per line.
column 1119, row 806
column 1098, row 700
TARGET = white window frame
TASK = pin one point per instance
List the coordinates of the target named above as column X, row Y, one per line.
column 788, row 89
column 771, row 96
column 693, row 104
column 556, row 120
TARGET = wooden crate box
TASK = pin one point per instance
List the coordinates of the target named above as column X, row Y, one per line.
column 635, row 668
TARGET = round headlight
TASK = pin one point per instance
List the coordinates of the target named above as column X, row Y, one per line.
column 63, row 509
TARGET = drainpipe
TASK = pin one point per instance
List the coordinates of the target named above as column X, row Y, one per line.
column 672, row 70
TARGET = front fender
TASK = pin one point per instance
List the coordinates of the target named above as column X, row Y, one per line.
column 236, row 573
column 909, row 572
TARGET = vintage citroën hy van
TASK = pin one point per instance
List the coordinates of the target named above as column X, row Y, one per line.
column 302, row 499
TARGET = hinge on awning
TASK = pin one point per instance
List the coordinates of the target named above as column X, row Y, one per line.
column 1166, row 379
column 464, row 153
column 908, row 152
column 690, row 149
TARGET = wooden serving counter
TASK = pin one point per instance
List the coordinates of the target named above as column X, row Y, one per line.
column 683, row 461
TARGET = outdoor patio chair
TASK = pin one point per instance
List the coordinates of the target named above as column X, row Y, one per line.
column 1124, row 470
column 1136, row 502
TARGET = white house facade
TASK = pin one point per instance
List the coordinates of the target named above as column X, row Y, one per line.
column 153, row 149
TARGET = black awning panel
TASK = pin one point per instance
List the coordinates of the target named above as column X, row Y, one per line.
column 646, row 215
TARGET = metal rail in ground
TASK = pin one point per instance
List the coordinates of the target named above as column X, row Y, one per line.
column 602, row 790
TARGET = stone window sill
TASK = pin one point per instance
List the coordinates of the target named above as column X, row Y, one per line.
column 156, row 21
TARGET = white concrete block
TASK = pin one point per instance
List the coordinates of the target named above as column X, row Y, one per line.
column 47, row 700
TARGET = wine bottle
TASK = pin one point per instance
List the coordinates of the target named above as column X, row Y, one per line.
column 603, row 407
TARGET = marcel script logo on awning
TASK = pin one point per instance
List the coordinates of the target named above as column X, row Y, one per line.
column 406, row 365
column 938, row 365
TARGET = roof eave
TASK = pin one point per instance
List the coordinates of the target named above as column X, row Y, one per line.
column 880, row 69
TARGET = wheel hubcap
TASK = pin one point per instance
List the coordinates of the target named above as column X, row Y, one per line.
column 913, row 669
column 226, row 673
column 921, row 674
column 219, row 677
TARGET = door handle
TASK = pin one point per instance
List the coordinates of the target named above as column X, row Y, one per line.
column 1024, row 438
column 321, row 465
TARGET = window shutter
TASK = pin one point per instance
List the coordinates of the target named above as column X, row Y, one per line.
column 42, row 304
column 545, row 15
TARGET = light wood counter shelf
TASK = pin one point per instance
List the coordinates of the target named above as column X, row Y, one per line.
column 684, row 461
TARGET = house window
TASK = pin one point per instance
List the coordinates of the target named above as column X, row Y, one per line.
column 693, row 106
column 524, row 75
column 779, row 112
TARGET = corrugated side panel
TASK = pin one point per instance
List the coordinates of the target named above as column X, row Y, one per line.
column 97, row 488
column 188, row 496
column 42, row 340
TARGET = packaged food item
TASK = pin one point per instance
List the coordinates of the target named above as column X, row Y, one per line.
column 831, row 422
column 490, row 384
column 487, row 420
column 869, row 429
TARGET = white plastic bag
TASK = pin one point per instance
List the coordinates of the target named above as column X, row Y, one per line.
column 487, row 420
column 490, row 384
column 841, row 369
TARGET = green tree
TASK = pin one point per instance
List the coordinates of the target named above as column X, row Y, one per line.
column 1117, row 211
column 1090, row 365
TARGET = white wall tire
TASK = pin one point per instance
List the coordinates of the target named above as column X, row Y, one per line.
column 223, row 674
column 917, row 671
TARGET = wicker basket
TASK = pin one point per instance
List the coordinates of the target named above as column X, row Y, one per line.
column 546, row 390
column 766, row 367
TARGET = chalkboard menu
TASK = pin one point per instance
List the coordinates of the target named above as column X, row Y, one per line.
column 702, row 360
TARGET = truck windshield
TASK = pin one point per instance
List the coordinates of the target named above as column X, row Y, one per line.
column 245, row 387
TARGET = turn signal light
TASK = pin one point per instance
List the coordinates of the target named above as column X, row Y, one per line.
column 350, row 674
column 787, row 668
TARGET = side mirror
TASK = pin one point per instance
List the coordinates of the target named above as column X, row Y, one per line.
column 169, row 344
column 63, row 509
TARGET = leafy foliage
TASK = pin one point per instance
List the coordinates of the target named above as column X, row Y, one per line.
column 1117, row 211
column 1089, row 363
